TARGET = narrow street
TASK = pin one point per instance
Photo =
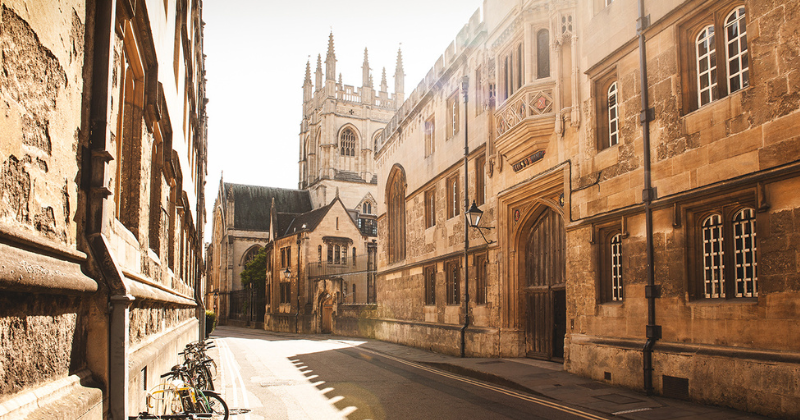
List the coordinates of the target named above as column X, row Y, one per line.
column 313, row 377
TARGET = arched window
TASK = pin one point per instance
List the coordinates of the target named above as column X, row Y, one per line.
column 613, row 115
column 706, row 66
column 250, row 255
column 542, row 54
column 736, row 41
column 367, row 208
column 396, row 203
column 713, row 254
column 347, row 143
column 745, row 253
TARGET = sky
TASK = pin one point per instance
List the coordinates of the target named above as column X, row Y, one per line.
column 256, row 59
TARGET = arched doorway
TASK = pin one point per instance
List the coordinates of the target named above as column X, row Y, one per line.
column 326, row 314
column 543, row 287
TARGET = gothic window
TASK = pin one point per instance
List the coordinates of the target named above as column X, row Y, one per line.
column 337, row 254
column 716, row 55
column 129, row 133
column 430, row 139
column 452, row 115
column 479, row 91
column 250, row 255
column 453, row 278
column 344, row 255
column 430, row 208
column 616, row 267
column 367, row 208
column 512, row 71
column 542, row 54
column 430, row 284
column 286, row 256
column 726, row 253
column 354, row 256
column 481, row 268
column 330, row 253
column 347, row 143
column 452, row 197
column 396, row 209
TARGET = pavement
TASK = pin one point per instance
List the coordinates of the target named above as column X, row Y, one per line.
column 547, row 380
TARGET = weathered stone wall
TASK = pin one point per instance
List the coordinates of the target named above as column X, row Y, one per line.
column 42, row 337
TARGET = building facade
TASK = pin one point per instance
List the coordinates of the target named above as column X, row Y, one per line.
column 650, row 246
column 333, row 212
column 101, row 214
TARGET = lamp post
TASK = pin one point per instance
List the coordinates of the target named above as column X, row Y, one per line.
column 473, row 216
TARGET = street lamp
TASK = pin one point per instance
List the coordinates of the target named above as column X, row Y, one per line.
column 287, row 274
column 474, row 215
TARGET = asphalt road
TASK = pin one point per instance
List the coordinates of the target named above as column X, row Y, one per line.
column 279, row 376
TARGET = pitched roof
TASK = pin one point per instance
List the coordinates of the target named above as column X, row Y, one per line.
column 310, row 220
column 252, row 204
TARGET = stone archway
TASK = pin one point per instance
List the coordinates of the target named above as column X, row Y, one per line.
column 542, row 285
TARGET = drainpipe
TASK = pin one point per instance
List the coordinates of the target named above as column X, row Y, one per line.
column 297, row 314
column 97, row 156
column 465, row 88
column 653, row 331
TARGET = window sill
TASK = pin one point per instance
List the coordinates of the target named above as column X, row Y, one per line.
column 723, row 301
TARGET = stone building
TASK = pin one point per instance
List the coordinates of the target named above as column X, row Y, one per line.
column 103, row 163
column 653, row 246
column 333, row 211
column 241, row 227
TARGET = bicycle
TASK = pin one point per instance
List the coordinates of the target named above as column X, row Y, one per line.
column 199, row 365
column 178, row 395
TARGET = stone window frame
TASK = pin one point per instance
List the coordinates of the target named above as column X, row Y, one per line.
column 689, row 30
column 396, row 214
column 430, row 207
column 286, row 256
column 698, row 223
column 481, row 276
column 250, row 254
column 452, row 271
column 602, row 86
column 610, row 259
column 543, row 54
column 512, row 69
column 348, row 138
column 429, row 129
column 429, row 280
column 453, row 196
column 453, row 115
column 480, row 180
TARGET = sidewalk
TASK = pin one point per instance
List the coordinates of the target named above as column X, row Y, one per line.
column 549, row 380
column 544, row 379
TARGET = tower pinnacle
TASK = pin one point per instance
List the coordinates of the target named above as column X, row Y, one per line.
column 384, row 85
column 330, row 60
column 365, row 78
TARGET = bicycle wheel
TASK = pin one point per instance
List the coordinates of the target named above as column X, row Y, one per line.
column 202, row 378
column 216, row 406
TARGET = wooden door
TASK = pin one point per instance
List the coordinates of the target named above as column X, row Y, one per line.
column 543, row 287
column 327, row 318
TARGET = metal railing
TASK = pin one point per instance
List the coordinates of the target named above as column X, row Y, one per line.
column 247, row 305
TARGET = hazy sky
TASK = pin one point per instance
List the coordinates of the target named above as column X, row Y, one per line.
column 256, row 58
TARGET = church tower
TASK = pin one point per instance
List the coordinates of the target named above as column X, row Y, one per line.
column 338, row 131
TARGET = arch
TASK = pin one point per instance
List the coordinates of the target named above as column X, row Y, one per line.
column 248, row 255
column 396, row 213
column 541, row 267
column 349, row 140
column 376, row 138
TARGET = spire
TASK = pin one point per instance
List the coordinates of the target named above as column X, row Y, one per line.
column 399, row 79
column 384, row 85
column 365, row 79
column 307, row 80
column 340, row 78
column 330, row 60
column 307, row 83
column 319, row 71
